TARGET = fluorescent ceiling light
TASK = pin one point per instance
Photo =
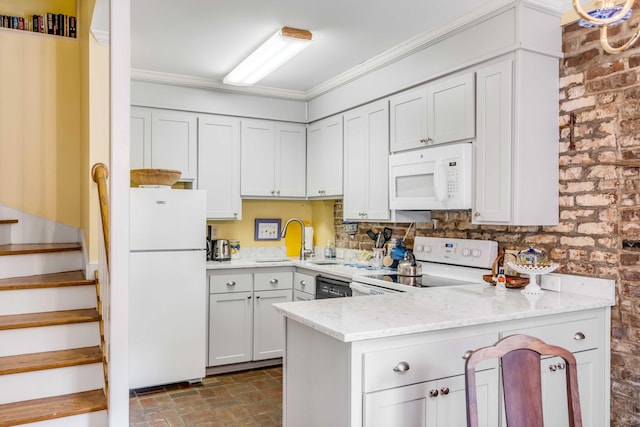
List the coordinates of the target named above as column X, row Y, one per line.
column 282, row 46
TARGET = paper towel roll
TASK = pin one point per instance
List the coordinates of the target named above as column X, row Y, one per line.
column 308, row 238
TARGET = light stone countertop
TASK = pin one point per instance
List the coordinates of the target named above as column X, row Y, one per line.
column 369, row 317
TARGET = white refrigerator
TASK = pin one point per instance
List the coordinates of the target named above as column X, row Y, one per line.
column 167, row 286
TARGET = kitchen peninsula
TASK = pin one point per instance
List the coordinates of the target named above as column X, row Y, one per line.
column 398, row 359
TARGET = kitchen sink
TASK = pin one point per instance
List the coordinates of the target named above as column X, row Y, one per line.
column 323, row 262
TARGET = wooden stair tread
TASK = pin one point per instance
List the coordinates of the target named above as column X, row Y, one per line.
column 54, row 280
column 8, row 221
column 52, row 407
column 37, row 248
column 32, row 320
column 49, row 360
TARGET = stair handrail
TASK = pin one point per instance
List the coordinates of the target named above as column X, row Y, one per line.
column 100, row 173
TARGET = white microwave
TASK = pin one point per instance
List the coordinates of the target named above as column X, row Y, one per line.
column 433, row 178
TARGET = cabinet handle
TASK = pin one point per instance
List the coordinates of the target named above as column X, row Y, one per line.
column 433, row 393
column 467, row 354
column 579, row 336
column 303, row 283
column 444, row 390
column 231, row 283
column 273, row 281
column 429, row 140
column 401, row 367
column 423, row 140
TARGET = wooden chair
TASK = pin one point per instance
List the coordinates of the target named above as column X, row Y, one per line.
column 521, row 379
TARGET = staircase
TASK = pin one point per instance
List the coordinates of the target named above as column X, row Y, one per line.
column 52, row 370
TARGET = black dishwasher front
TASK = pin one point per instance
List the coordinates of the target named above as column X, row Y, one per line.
column 328, row 287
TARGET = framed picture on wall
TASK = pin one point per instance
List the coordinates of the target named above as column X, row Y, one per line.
column 267, row 229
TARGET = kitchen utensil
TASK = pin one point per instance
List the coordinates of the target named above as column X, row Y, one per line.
column 380, row 240
column 407, row 233
column 387, row 234
column 372, row 235
column 408, row 266
column 221, row 250
column 512, row 282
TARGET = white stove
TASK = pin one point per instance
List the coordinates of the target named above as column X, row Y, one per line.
column 445, row 262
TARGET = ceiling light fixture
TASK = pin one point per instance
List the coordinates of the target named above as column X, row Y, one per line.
column 282, row 46
column 608, row 14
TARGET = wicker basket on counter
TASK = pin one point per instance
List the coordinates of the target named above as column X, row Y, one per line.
column 512, row 282
column 155, row 176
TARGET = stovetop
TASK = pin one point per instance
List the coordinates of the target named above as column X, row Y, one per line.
column 423, row 281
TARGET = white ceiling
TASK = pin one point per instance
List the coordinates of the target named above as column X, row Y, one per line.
column 205, row 39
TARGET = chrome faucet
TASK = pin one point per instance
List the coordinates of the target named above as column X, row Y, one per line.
column 303, row 252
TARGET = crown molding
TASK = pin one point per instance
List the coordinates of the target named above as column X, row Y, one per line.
column 210, row 84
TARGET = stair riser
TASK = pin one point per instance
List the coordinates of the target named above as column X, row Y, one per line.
column 5, row 234
column 49, row 338
column 33, row 264
column 47, row 299
column 92, row 419
column 50, row 382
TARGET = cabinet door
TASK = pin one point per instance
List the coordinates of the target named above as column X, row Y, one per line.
column 590, row 385
column 291, row 160
column 408, row 406
column 408, row 119
column 324, row 158
column 493, row 144
column 268, row 324
column 140, row 138
column 175, row 142
column 257, row 158
column 366, row 170
column 230, row 328
column 219, row 165
column 452, row 400
column 451, row 109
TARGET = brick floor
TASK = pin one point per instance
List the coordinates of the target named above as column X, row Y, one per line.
column 249, row 398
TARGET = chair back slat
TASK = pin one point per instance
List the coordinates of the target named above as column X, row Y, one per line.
column 521, row 381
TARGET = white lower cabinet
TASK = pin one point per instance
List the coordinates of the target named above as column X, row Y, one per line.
column 438, row 403
column 243, row 325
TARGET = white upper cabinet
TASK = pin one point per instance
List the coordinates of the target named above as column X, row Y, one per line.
column 140, row 138
column 324, row 158
column 165, row 139
column 438, row 112
column 516, row 148
column 366, row 163
column 273, row 159
column 219, row 165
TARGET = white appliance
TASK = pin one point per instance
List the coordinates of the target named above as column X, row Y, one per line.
column 445, row 262
column 437, row 177
column 167, row 287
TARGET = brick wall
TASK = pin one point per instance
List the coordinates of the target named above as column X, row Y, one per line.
column 599, row 230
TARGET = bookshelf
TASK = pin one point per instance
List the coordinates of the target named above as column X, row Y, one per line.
column 52, row 17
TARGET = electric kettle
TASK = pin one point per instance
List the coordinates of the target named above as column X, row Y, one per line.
column 221, row 250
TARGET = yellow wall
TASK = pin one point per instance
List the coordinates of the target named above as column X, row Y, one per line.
column 94, row 66
column 40, row 142
column 318, row 213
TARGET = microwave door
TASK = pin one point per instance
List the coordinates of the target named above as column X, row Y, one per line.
column 414, row 186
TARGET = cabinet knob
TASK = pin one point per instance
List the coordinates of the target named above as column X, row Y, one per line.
column 476, row 214
column 273, row 192
column 433, row 393
column 249, row 297
column 467, row 354
column 553, row 368
column 278, row 192
column 303, row 283
column 401, row 367
column 561, row 366
column 423, row 140
column 579, row 336
column 257, row 296
column 273, row 281
column 444, row 390
column 235, row 214
column 231, row 283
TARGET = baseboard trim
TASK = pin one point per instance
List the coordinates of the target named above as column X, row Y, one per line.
column 225, row 369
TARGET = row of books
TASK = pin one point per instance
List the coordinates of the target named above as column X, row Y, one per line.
column 52, row 23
